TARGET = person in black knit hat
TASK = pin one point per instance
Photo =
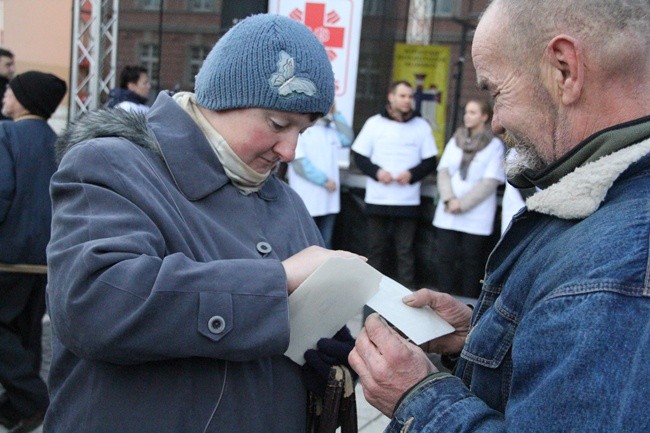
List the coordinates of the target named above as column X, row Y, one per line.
column 38, row 92
column 27, row 162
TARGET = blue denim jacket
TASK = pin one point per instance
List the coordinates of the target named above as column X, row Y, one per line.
column 560, row 339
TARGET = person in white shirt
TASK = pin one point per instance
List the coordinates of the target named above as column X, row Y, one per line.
column 470, row 170
column 396, row 150
column 511, row 203
column 314, row 173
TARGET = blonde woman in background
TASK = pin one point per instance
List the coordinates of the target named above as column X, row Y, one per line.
column 470, row 170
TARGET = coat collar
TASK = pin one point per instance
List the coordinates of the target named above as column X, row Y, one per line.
column 581, row 192
column 192, row 162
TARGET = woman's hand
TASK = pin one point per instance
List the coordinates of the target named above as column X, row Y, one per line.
column 453, row 206
column 301, row 265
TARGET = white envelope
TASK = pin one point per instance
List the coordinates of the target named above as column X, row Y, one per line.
column 327, row 300
column 337, row 291
column 418, row 324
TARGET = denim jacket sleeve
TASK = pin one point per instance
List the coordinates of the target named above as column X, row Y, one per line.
column 580, row 381
column 441, row 403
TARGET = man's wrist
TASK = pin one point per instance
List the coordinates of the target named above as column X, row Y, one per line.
column 433, row 377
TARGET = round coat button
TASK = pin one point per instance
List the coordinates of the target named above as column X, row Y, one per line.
column 264, row 247
column 216, row 324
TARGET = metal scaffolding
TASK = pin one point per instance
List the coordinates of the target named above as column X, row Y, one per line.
column 94, row 54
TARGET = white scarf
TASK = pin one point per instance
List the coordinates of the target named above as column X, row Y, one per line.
column 242, row 176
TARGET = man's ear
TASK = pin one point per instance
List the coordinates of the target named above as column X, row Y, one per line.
column 565, row 57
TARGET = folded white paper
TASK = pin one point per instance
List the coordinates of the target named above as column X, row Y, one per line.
column 418, row 324
column 327, row 300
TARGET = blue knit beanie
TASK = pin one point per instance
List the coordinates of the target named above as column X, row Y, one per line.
column 267, row 61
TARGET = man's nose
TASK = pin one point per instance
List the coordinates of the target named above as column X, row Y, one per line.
column 497, row 126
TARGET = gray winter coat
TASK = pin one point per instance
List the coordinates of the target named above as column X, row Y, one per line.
column 168, row 313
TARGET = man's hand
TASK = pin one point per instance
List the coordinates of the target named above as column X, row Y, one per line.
column 387, row 364
column 450, row 309
column 404, row 177
column 383, row 176
column 301, row 265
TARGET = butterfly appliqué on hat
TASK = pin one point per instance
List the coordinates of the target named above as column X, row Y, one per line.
column 286, row 81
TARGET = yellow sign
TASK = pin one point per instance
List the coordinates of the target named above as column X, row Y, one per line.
column 426, row 67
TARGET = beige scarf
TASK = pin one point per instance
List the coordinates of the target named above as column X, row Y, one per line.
column 470, row 145
column 242, row 176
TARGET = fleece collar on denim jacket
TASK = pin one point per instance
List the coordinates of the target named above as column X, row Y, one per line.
column 580, row 193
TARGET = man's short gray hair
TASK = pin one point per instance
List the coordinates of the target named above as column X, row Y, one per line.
column 615, row 32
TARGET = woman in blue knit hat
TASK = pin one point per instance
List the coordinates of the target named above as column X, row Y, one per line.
column 174, row 248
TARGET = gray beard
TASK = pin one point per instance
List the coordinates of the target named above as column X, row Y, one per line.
column 520, row 156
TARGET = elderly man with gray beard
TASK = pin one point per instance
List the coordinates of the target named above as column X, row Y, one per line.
column 560, row 338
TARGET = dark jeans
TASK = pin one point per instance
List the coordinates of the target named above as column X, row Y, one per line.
column 461, row 262
column 21, row 314
column 325, row 224
column 384, row 231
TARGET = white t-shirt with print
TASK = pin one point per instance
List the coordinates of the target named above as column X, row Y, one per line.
column 395, row 147
column 487, row 164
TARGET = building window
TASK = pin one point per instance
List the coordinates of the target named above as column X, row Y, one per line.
column 368, row 78
column 202, row 5
column 444, row 8
column 149, row 56
column 150, row 4
column 197, row 56
column 373, row 7
column 421, row 17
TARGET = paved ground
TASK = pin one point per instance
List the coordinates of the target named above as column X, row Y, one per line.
column 370, row 419
column 47, row 355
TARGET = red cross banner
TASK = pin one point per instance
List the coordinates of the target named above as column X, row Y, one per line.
column 337, row 24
